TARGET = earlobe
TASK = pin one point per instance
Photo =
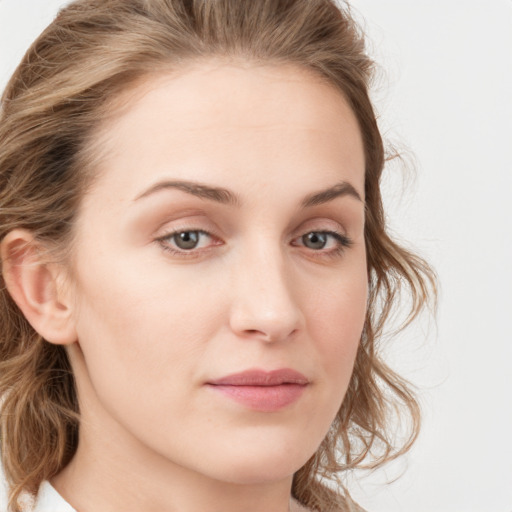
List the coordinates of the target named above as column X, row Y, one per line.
column 37, row 287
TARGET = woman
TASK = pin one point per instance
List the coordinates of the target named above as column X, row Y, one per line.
column 195, row 260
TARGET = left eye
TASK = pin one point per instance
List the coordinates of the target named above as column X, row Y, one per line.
column 315, row 240
column 188, row 240
column 321, row 240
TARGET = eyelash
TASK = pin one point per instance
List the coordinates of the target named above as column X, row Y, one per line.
column 343, row 243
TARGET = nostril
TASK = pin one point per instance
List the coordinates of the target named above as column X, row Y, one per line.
column 253, row 331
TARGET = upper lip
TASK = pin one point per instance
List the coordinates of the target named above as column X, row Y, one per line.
column 262, row 378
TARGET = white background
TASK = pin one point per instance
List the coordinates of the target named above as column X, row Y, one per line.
column 445, row 93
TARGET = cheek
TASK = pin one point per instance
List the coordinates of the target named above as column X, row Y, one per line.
column 337, row 318
column 133, row 328
column 335, row 314
column 144, row 325
column 140, row 345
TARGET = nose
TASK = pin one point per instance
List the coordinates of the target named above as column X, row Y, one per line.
column 265, row 302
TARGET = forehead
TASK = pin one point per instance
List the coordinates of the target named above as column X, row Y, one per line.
column 231, row 119
column 222, row 86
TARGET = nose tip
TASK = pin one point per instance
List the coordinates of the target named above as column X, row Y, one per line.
column 265, row 307
column 269, row 329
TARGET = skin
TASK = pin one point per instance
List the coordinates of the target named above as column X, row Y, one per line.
column 153, row 326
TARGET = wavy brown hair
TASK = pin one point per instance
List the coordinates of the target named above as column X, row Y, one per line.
column 50, row 113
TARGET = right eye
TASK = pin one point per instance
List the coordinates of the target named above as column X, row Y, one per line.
column 184, row 241
column 187, row 240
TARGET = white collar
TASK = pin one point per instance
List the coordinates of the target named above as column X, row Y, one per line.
column 49, row 500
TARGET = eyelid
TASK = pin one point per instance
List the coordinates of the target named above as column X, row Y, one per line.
column 320, row 224
column 191, row 219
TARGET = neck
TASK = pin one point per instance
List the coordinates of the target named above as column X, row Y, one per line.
column 116, row 473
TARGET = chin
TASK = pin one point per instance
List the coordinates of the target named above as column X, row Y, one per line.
column 260, row 473
column 261, row 465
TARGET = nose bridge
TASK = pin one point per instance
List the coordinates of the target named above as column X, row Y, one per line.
column 264, row 302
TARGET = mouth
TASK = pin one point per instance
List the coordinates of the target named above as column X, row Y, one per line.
column 260, row 390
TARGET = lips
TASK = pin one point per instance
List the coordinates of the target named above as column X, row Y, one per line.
column 261, row 390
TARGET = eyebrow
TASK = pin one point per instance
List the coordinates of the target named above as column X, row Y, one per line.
column 344, row 188
column 217, row 194
column 225, row 196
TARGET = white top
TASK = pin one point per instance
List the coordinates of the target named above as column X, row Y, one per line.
column 49, row 500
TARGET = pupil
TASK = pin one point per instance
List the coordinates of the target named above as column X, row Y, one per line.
column 187, row 239
column 315, row 240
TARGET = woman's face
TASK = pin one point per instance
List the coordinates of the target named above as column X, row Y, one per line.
column 219, row 271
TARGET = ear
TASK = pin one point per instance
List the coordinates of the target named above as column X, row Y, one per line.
column 37, row 287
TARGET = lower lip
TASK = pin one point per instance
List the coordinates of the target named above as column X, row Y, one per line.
column 262, row 398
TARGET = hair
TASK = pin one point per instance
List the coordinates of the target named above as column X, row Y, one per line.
column 50, row 112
